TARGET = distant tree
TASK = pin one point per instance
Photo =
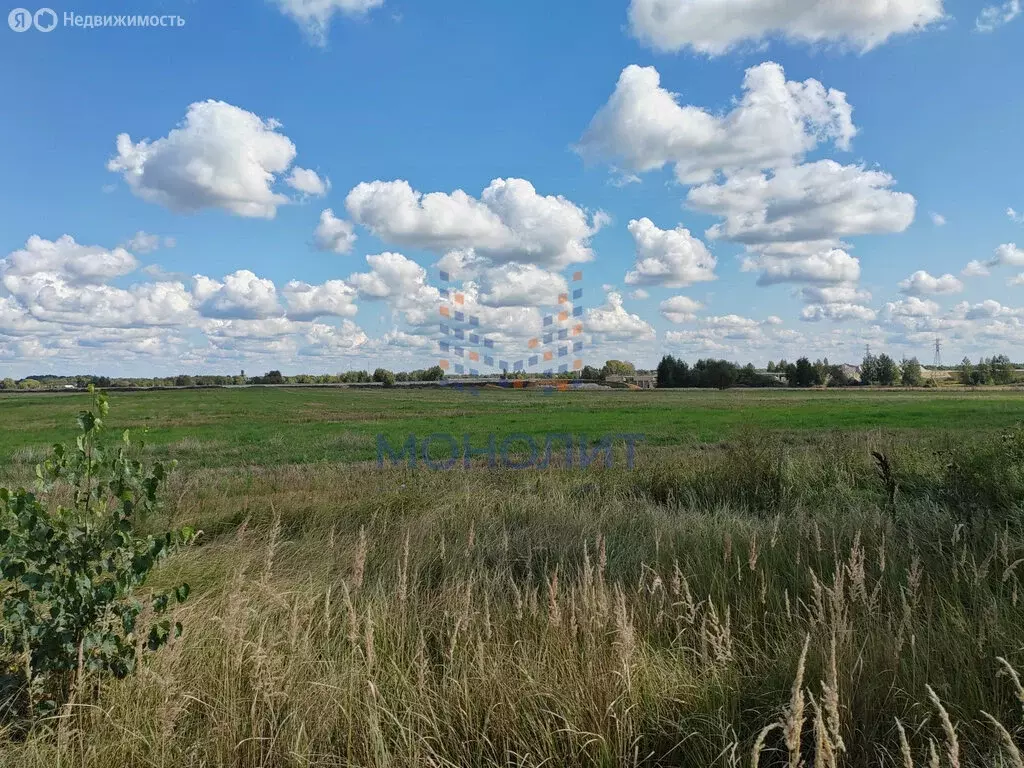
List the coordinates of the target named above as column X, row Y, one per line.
column 965, row 372
column 747, row 376
column 1002, row 370
column 8, row 383
column 29, row 384
column 771, row 367
column 665, row 372
column 384, row 376
column 714, row 374
column 272, row 377
column 912, row 375
column 838, row 377
column 435, row 373
column 590, row 373
column 869, row 370
column 888, row 371
column 402, row 376
column 803, row 374
column 618, row 368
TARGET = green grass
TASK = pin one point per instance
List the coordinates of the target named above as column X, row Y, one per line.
column 266, row 427
column 346, row 615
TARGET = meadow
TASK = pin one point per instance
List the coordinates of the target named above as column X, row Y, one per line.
column 823, row 578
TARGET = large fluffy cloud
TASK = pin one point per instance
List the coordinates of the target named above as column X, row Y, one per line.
column 221, row 156
column 242, row 295
column 820, row 201
column 715, row 26
column 64, row 282
column 74, row 263
column 673, row 258
column 747, row 167
column 509, row 222
column 643, row 127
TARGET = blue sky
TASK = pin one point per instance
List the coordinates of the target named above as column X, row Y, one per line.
column 454, row 96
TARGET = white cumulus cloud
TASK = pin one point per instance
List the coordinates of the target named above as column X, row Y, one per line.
column 308, row 182
column 308, row 302
column 314, row 16
column 994, row 16
column 643, row 127
column 820, row 201
column 220, row 156
column 334, row 234
column 680, row 309
column 714, row 27
column 613, row 323
column 921, row 283
column 509, row 222
column 975, row 268
column 830, row 267
column 837, row 312
column 1009, row 255
column 72, row 262
column 240, row 296
column 673, row 258
column 143, row 242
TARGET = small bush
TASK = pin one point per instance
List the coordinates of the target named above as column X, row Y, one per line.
column 70, row 573
column 987, row 477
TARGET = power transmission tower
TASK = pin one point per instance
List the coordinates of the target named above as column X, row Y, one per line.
column 937, row 363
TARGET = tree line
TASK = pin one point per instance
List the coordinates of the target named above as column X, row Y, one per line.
column 215, row 380
column 879, row 370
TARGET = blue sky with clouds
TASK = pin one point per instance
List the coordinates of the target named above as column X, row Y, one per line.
column 747, row 179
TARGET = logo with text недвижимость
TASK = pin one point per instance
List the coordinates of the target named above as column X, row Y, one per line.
column 47, row 20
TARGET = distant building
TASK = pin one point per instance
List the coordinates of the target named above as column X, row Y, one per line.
column 851, row 371
column 642, row 380
column 777, row 375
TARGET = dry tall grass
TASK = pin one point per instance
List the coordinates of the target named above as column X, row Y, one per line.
column 745, row 606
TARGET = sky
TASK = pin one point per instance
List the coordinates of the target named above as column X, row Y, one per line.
column 306, row 185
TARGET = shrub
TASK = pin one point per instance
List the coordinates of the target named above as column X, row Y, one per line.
column 987, row 477
column 384, row 376
column 70, row 574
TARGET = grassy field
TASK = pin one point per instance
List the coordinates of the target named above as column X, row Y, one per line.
column 234, row 427
column 757, row 592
